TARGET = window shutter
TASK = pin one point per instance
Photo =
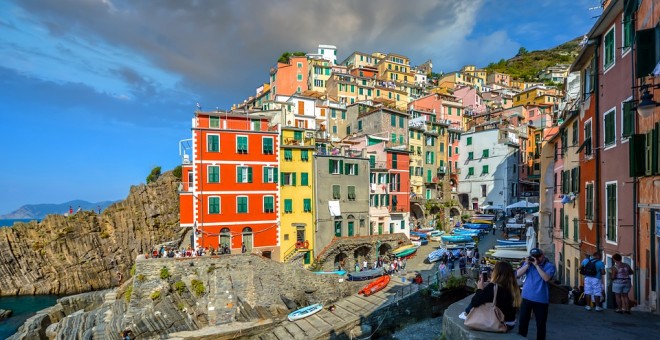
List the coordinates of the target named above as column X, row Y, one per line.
column 249, row 174
column 628, row 119
column 265, row 175
column 648, row 152
column 341, row 167
column 330, row 166
column 637, row 163
column 356, row 169
column 275, row 175
column 577, row 180
column 238, row 175
column 655, row 149
column 647, row 51
column 293, row 179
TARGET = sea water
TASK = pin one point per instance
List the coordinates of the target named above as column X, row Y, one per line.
column 10, row 222
column 22, row 307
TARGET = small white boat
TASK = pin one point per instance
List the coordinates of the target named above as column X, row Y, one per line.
column 305, row 312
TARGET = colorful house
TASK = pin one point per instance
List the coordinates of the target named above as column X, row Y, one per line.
column 290, row 77
column 230, row 198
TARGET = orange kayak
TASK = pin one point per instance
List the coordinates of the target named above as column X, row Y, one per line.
column 375, row 286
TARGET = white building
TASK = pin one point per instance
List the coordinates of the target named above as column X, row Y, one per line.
column 489, row 168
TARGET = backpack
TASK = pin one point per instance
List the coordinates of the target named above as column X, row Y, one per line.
column 589, row 269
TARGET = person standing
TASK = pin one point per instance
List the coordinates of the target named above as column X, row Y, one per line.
column 620, row 275
column 535, row 292
column 243, row 248
column 593, row 269
column 461, row 265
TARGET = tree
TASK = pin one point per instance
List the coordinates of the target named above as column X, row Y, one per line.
column 153, row 176
column 522, row 51
column 177, row 172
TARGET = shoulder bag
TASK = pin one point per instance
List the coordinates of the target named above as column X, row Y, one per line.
column 487, row 317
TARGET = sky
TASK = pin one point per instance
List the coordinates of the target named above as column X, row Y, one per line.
column 95, row 93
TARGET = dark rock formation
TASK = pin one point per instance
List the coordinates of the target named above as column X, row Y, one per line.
column 4, row 313
column 86, row 251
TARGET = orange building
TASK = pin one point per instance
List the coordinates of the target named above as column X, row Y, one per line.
column 230, row 194
column 289, row 78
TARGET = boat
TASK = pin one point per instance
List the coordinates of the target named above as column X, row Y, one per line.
column 481, row 226
column 510, row 242
column 400, row 249
column 436, row 255
column 456, row 238
column 305, row 312
column 461, row 231
column 337, row 272
column 406, row 252
column 375, row 286
column 435, row 235
column 366, row 274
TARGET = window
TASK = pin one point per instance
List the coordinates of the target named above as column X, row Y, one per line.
column 456, row 150
column 307, row 204
column 300, row 77
column 335, row 166
column 351, row 169
column 333, row 113
column 394, row 161
column 483, row 190
column 608, row 49
column 267, row 145
column 214, row 205
column 470, row 171
column 304, row 178
column 575, row 229
column 628, row 29
column 289, row 178
column 243, row 174
column 469, row 141
column 401, row 122
column 288, row 154
column 351, row 193
column 241, row 144
column 393, row 120
column 336, row 192
column 241, row 204
column 334, row 129
column 288, row 206
column 304, row 155
column 401, row 140
column 270, row 175
column 393, row 138
column 359, row 125
column 610, row 211
column 372, row 161
column 343, row 115
column 587, row 138
column 484, row 153
column 351, row 228
column 484, row 169
column 214, row 122
column 589, row 208
column 575, row 133
column 609, row 127
column 269, row 205
column 214, row 173
column 470, row 155
column 338, row 228
column 430, row 157
column 213, row 143
column 442, row 147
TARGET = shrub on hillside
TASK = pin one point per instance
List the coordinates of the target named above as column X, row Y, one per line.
column 153, row 176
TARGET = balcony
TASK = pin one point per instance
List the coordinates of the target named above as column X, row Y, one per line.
column 341, row 151
column 442, row 171
column 298, row 142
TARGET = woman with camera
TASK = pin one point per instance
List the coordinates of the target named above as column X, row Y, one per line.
column 508, row 293
column 535, row 292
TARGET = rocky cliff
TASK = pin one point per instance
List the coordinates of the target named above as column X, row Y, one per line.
column 86, row 251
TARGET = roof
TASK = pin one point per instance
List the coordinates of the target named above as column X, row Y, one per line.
column 602, row 24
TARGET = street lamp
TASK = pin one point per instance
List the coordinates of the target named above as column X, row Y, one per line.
column 646, row 104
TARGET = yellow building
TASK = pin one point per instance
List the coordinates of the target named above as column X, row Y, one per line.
column 395, row 68
column 319, row 73
column 537, row 96
column 359, row 59
column 392, row 97
column 296, row 199
column 475, row 73
column 342, row 88
column 416, row 142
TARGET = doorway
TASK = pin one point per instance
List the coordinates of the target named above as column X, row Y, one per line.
column 247, row 239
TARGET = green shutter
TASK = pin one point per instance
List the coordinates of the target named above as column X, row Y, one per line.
column 485, row 153
column 469, row 141
column 265, row 175
column 341, row 166
column 293, row 179
column 356, row 169
column 275, row 175
column 304, row 179
column 628, row 119
column 238, row 174
column 647, row 51
column 330, row 166
column 249, row 174
column 637, row 159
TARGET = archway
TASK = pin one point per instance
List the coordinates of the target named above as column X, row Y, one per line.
column 453, row 212
column 463, row 200
column 362, row 254
column 384, row 249
column 225, row 239
column 341, row 261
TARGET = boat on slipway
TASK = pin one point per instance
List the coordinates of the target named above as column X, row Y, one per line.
column 366, row 274
column 405, row 251
column 375, row 286
column 436, row 255
column 305, row 312
column 456, row 238
column 336, row 272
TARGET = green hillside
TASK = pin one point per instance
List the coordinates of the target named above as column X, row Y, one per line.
column 525, row 65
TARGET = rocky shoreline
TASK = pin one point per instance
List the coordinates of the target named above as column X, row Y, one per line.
column 5, row 313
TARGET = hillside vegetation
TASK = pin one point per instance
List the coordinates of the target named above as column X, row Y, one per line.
column 525, row 65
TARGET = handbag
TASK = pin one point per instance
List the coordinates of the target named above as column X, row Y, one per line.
column 487, row 317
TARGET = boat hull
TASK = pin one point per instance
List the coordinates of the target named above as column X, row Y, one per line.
column 375, row 286
column 365, row 275
column 405, row 252
column 305, row 312
column 456, row 238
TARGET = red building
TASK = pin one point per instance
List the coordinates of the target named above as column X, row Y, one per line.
column 230, row 194
column 398, row 161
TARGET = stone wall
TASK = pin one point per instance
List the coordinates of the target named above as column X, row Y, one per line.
column 366, row 247
column 85, row 251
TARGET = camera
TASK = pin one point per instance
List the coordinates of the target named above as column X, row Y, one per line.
column 531, row 259
column 484, row 276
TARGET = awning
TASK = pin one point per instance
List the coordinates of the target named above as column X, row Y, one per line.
column 334, row 208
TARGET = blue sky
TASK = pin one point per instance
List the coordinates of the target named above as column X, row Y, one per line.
column 95, row 93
